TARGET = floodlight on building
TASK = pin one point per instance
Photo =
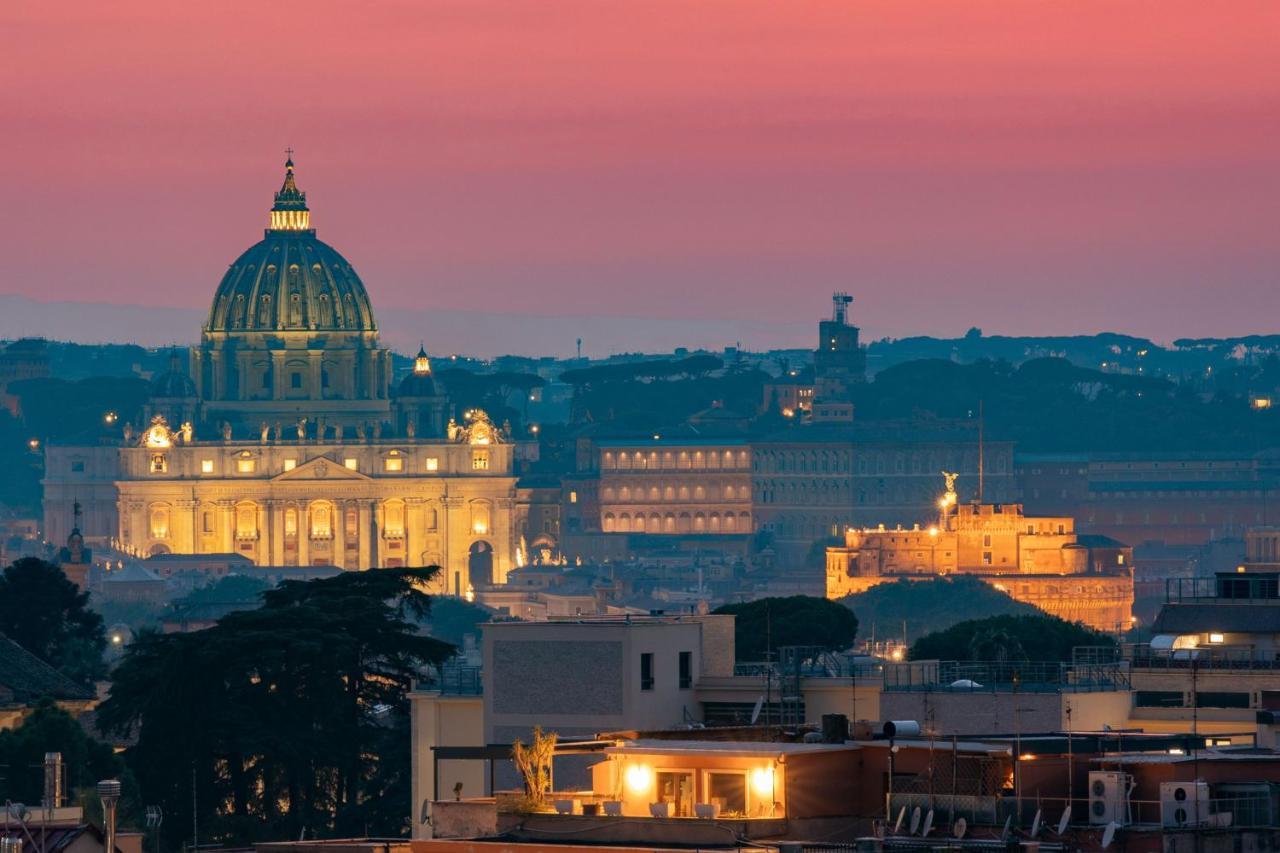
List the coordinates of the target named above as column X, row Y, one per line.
column 1215, row 637
column 762, row 781
column 639, row 779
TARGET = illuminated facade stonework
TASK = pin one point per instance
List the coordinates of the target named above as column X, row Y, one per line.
column 290, row 445
column 675, row 486
column 1036, row 560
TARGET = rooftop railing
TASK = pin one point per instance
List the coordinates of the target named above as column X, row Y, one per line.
column 455, row 680
column 1227, row 589
column 1142, row 656
column 1004, row 677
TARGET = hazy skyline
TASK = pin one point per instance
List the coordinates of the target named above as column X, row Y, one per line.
column 716, row 167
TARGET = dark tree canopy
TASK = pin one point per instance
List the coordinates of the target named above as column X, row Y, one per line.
column 292, row 716
column 85, row 761
column 48, row 615
column 929, row 605
column 798, row 620
column 1007, row 639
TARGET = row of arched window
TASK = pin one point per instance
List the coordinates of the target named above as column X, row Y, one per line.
column 684, row 522
column 681, row 493
column 674, row 460
column 803, row 461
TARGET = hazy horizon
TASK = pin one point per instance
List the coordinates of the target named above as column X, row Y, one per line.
column 699, row 173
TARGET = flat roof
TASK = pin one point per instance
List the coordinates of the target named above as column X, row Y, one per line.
column 1245, row 754
column 725, row 747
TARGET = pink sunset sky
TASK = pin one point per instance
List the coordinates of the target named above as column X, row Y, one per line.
column 1026, row 167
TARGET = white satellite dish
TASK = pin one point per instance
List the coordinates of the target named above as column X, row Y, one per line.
column 1004, row 833
column 1035, row 824
column 1109, row 834
column 897, row 825
column 959, row 829
column 928, row 825
column 755, row 712
column 1064, row 821
column 915, row 820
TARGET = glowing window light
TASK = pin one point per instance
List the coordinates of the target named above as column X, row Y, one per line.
column 762, row 782
column 639, row 779
column 206, row 466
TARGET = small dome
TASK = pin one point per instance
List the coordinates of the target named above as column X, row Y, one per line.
column 174, row 382
column 417, row 385
column 419, row 382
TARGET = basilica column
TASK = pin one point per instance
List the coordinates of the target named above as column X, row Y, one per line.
column 216, row 381
column 453, row 565
column 340, row 534
column 277, row 376
column 267, row 528
column 375, row 535
column 412, row 531
column 313, row 365
column 504, row 533
column 363, row 525
column 184, row 536
column 304, row 534
column 227, row 510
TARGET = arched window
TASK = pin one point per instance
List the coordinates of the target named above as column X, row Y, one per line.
column 480, row 521
column 247, row 521
column 608, row 522
column 321, row 520
column 290, row 523
column 159, row 521
column 393, row 519
column 637, row 524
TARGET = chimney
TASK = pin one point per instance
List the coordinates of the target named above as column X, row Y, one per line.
column 52, row 780
column 109, row 793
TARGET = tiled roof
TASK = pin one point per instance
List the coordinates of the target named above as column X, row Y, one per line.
column 25, row 678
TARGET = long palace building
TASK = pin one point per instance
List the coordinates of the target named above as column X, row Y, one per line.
column 288, row 441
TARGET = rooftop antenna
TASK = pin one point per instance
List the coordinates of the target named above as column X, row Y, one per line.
column 840, row 301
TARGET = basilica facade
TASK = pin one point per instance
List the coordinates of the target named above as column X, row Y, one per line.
column 289, row 442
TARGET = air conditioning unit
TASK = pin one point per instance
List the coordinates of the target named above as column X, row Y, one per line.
column 1184, row 804
column 1109, row 797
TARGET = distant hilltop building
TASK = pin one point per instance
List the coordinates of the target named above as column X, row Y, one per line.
column 1036, row 560
column 289, row 443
